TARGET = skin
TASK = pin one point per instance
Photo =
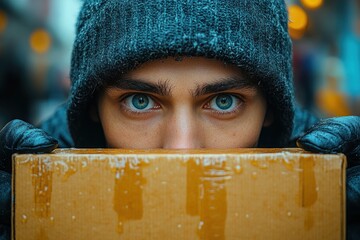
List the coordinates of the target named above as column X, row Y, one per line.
column 192, row 103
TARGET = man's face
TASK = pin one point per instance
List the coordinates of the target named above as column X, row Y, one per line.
column 192, row 103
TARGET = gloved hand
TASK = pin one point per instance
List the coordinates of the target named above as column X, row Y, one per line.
column 340, row 135
column 17, row 137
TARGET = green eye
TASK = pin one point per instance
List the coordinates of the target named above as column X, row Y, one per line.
column 140, row 101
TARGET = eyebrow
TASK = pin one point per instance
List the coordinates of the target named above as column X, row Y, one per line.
column 164, row 89
column 161, row 88
column 225, row 84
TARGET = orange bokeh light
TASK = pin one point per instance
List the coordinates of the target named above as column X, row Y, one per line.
column 312, row 4
column 40, row 41
column 298, row 21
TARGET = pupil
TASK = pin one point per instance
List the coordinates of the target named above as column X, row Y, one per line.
column 140, row 101
column 224, row 102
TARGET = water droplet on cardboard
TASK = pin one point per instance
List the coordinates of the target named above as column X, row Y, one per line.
column 201, row 224
column 120, row 228
column 24, row 218
column 238, row 169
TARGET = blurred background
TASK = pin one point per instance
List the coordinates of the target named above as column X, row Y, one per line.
column 326, row 45
column 36, row 38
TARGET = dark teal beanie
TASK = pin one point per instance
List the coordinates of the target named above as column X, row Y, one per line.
column 115, row 36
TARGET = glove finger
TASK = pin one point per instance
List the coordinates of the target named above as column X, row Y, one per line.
column 21, row 137
column 353, row 230
column 353, row 203
column 353, row 192
column 5, row 232
column 333, row 135
column 5, row 197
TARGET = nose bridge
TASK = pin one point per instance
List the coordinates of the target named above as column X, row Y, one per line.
column 182, row 131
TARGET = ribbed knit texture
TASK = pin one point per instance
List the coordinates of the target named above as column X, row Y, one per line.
column 115, row 36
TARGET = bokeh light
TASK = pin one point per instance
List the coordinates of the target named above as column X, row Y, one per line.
column 40, row 41
column 3, row 21
column 312, row 4
column 298, row 21
column 297, row 18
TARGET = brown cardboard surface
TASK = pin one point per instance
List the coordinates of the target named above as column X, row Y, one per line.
column 179, row 194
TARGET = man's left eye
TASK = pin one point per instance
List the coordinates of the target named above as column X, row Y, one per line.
column 224, row 103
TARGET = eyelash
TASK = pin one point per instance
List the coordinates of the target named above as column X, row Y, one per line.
column 128, row 97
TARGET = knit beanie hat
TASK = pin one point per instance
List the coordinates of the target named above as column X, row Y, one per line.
column 115, row 36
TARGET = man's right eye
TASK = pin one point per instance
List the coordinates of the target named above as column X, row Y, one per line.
column 139, row 102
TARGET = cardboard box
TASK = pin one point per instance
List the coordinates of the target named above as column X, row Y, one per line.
column 179, row 194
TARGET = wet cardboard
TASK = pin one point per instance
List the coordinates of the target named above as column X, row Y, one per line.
column 180, row 194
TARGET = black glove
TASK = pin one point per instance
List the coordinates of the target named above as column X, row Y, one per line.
column 340, row 135
column 17, row 137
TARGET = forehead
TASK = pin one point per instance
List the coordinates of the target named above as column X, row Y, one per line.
column 197, row 69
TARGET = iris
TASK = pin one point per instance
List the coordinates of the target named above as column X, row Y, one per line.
column 224, row 101
column 140, row 101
